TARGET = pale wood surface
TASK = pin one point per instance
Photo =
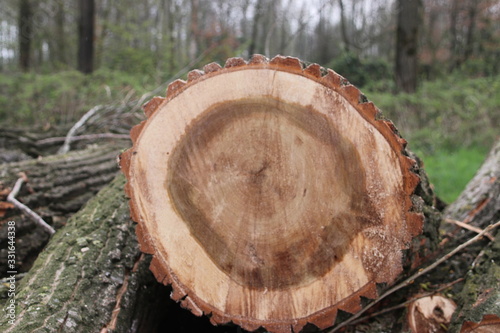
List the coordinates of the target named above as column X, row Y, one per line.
column 270, row 195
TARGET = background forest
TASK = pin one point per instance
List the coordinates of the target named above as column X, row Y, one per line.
column 50, row 76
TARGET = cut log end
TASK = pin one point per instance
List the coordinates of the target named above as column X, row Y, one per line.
column 269, row 195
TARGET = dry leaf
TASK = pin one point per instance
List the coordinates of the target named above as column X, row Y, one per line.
column 430, row 314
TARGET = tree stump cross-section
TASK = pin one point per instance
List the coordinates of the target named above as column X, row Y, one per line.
column 270, row 194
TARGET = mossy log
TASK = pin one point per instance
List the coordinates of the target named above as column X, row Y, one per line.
column 88, row 271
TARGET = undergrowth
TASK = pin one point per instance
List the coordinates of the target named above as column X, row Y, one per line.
column 28, row 99
column 450, row 123
column 451, row 113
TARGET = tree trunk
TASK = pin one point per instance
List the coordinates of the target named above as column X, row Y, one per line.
column 86, row 22
column 255, row 27
column 91, row 276
column 60, row 53
column 25, row 33
column 57, row 187
column 343, row 28
column 409, row 19
column 281, row 185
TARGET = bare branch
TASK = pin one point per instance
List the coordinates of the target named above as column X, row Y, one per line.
column 83, row 137
column 399, row 306
column 34, row 216
column 469, row 227
column 66, row 146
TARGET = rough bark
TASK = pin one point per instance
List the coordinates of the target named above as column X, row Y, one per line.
column 57, row 187
column 18, row 144
column 89, row 267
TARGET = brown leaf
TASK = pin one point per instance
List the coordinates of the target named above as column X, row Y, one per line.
column 430, row 314
column 4, row 206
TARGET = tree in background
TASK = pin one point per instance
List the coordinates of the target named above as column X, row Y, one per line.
column 86, row 36
column 161, row 37
column 409, row 13
column 25, row 34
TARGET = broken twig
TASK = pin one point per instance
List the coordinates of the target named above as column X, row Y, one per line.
column 67, row 142
column 34, row 216
column 469, row 227
column 412, row 278
column 402, row 305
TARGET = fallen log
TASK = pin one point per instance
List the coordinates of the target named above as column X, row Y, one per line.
column 87, row 273
column 56, row 187
column 272, row 195
column 55, row 293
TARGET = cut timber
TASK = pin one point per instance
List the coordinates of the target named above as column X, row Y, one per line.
column 270, row 194
column 57, row 187
column 91, row 276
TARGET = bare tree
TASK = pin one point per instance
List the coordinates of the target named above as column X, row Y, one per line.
column 25, row 33
column 343, row 28
column 86, row 36
column 255, row 28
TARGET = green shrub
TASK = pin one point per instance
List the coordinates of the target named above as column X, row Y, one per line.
column 375, row 73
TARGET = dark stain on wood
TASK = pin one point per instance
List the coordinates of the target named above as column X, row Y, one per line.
column 234, row 192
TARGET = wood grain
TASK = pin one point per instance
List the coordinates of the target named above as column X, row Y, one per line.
column 270, row 195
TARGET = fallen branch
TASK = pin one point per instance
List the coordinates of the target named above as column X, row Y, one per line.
column 65, row 147
column 469, row 227
column 83, row 137
column 34, row 216
column 412, row 278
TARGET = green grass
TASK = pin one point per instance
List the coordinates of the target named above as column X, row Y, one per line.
column 449, row 172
